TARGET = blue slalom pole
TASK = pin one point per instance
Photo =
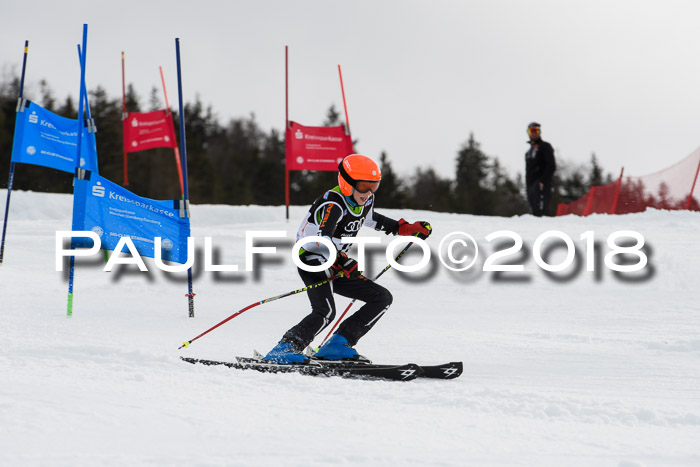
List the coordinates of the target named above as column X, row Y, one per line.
column 20, row 108
column 83, row 57
column 91, row 127
column 183, row 155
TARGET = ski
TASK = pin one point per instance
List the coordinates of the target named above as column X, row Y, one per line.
column 372, row 372
column 449, row 370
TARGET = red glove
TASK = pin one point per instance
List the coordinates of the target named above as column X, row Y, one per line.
column 345, row 266
column 420, row 229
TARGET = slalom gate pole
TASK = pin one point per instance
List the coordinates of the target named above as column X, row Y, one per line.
column 354, row 299
column 20, row 108
column 78, row 173
column 91, row 127
column 175, row 149
column 186, row 190
column 286, row 127
column 345, row 105
column 253, row 305
column 124, row 115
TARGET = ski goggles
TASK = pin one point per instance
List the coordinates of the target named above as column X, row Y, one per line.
column 365, row 186
column 533, row 130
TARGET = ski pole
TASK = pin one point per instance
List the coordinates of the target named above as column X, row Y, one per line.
column 253, row 305
column 354, row 299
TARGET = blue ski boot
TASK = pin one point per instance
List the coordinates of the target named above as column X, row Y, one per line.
column 285, row 354
column 337, row 348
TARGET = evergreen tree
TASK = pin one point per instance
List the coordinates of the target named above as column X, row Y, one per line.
column 332, row 117
column 269, row 184
column 68, row 109
column 107, row 115
column 154, row 102
column 48, row 101
column 595, row 176
column 570, row 182
column 392, row 190
column 202, row 128
column 470, row 192
column 507, row 194
column 429, row 191
column 9, row 90
column 133, row 102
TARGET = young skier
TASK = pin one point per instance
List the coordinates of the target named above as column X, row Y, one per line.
column 340, row 212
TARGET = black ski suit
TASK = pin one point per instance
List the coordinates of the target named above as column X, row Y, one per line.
column 333, row 216
column 539, row 168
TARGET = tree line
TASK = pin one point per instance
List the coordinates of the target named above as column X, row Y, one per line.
column 238, row 163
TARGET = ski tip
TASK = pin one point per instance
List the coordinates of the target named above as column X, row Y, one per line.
column 450, row 370
column 454, row 371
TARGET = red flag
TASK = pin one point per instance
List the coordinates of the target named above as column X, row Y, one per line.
column 148, row 130
column 316, row 148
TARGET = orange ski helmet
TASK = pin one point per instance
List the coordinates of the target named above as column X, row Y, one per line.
column 358, row 172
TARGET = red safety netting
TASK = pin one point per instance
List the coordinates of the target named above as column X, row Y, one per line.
column 672, row 188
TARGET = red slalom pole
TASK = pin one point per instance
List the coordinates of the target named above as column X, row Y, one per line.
column 345, row 105
column 175, row 149
column 253, row 305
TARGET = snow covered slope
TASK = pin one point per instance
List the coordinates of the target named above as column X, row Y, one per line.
column 582, row 368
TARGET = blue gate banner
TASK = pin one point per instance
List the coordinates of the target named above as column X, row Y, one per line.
column 46, row 139
column 113, row 212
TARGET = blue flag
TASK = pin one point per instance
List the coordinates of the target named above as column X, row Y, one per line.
column 46, row 139
column 113, row 212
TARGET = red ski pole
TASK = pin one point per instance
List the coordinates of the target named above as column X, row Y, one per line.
column 253, row 305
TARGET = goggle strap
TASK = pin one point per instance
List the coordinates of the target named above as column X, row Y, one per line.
column 345, row 175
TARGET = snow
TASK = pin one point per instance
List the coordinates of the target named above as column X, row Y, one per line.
column 586, row 370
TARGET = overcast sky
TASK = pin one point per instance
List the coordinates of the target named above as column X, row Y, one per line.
column 618, row 78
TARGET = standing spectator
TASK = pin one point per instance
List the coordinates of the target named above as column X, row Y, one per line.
column 539, row 170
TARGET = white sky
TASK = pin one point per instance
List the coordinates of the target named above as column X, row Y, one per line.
column 618, row 78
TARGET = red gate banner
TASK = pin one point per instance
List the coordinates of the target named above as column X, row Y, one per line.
column 148, row 130
column 316, row 148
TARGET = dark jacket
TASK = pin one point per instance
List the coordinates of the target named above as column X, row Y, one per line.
column 333, row 216
column 539, row 163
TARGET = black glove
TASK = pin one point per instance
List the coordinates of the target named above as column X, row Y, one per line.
column 420, row 229
column 345, row 266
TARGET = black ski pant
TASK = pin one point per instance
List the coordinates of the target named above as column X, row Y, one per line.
column 539, row 198
column 377, row 300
